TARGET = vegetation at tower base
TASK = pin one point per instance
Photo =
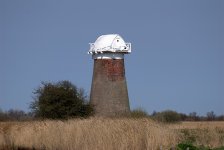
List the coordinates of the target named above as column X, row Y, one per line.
column 61, row 100
column 139, row 113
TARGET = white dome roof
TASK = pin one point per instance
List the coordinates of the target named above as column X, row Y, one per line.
column 110, row 43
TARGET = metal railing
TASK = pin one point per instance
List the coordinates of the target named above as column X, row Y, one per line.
column 121, row 49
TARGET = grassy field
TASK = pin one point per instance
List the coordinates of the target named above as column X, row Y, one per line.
column 108, row 134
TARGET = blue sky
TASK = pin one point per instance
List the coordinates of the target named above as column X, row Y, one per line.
column 177, row 49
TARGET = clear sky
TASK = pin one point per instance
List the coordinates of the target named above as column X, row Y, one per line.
column 177, row 59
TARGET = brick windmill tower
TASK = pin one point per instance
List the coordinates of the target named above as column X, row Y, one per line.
column 109, row 93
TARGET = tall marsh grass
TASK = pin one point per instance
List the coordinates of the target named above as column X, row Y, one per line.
column 93, row 133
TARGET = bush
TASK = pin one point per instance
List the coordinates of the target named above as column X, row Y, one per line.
column 136, row 113
column 3, row 116
column 185, row 146
column 168, row 116
column 189, row 146
column 139, row 113
column 15, row 115
column 61, row 100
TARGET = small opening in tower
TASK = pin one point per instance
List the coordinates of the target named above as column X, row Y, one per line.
column 117, row 40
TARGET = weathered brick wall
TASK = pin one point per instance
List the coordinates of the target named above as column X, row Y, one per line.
column 109, row 92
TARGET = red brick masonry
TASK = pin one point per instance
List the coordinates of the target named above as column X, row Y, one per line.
column 114, row 69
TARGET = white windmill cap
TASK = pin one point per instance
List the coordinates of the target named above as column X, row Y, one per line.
column 110, row 43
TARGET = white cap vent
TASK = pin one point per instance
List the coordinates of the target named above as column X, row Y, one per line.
column 110, row 43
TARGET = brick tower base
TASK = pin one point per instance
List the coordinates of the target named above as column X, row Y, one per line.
column 109, row 94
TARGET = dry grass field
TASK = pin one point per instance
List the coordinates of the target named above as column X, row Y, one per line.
column 108, row 134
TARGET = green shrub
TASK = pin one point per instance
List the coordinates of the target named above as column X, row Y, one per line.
column 184, row 146
column 189, row 146
column 60, row 100
column 220, row 148
column 167, row 116
column 135, row 113
column 138, row 113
